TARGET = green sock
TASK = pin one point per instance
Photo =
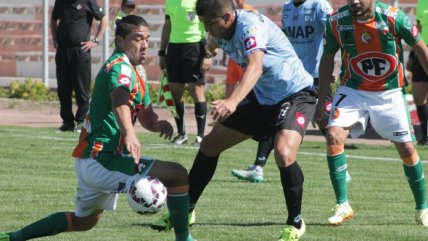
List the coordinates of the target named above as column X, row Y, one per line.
column 51, row 225
column 337, row 165
column 416, row 179
column 178, row 206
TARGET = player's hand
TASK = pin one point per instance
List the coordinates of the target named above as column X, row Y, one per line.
column 222, row 109
column 162, row 63
column 320, row 111
column 133, row 145
column 165, row 129
column 206, row 64
column 86, row 46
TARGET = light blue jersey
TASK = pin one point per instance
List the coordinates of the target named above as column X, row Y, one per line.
column 283, row 72
column 304, row 27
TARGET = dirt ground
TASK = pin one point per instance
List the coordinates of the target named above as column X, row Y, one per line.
column 16, row 112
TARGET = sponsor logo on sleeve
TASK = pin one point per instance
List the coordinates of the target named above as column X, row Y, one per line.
column 414, row 31
column 124, row 80
column 125, row 75
column 250, row 43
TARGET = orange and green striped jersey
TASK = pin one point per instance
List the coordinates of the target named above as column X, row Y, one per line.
column 371, row 51
column 100, row 137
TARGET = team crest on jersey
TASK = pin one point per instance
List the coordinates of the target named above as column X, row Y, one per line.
column 374, row 66
column 300, row 120
column 191, row 16
column 407, row 22
column 366, row 37
column 250, row 43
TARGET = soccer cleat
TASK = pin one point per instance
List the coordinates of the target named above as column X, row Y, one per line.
column 180, row 139
column 291, row 233
column 79, row 127
column 253, row 173
column 190, row 238
column 342, row 212
column 4, row 237
column 421, row 217
column 164, row 223
column 65, row 127
column 197, row 141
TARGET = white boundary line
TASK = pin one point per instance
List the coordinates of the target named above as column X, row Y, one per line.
column 153, row 146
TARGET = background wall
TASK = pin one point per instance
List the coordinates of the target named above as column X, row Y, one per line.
column 21, row 37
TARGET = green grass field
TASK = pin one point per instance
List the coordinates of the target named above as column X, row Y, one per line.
column 37, row 178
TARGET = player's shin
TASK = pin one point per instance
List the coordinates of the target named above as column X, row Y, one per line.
column 414, row 171
column 292, row 185
column 200, row 175
column 51, row 225
column 336, row 159
column 178, row 207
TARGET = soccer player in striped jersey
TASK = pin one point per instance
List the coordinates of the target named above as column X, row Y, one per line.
column 368, row 34
column 109, row 151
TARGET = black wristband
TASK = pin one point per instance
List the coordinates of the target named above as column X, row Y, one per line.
column 161, row 53
column 208, row 55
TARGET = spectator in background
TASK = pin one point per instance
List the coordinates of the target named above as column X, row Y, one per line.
column 419, row 77
column 182, row 52
column 71, row 24
column 126, row 8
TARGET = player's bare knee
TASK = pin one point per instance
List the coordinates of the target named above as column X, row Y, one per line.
column 85, row 223
column 177, row 176
column 285, row 157
column 333, row 137
column 406, row 149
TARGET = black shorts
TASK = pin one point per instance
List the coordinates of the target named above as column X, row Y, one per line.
column 262, row 121
column 183, row 62
column 418, row 72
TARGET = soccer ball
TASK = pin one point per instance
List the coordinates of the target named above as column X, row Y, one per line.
column 146, row 195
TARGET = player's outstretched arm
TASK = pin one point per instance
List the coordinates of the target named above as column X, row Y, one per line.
column 119, row 99
column 150, row 120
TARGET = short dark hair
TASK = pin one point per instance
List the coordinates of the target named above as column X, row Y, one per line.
column 213, row 7
column 125, row 25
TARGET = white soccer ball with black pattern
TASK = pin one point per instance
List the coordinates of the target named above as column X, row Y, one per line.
column 146, row 195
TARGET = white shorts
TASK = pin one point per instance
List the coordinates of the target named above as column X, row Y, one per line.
column 98, row 187
column 387, row 110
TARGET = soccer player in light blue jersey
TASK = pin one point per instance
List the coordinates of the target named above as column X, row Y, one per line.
column 275, row 96
column 303, row 23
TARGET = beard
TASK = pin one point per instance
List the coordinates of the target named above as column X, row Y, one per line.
column 359, row 12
